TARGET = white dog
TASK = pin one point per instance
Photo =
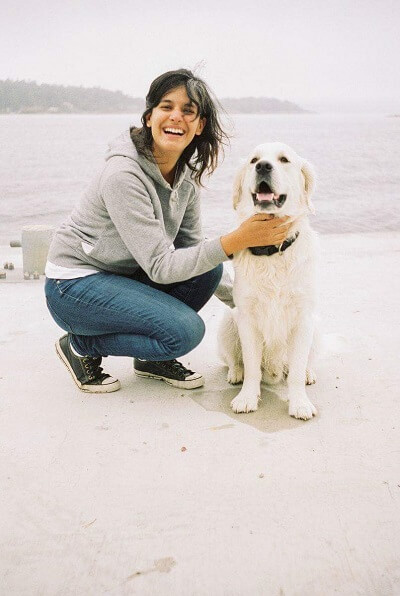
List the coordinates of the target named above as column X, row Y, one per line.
column 269, row 334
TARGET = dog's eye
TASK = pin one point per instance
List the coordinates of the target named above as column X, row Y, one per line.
column 284, row 159
column 254, row 160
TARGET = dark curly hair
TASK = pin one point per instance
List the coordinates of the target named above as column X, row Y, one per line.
column 202, row 154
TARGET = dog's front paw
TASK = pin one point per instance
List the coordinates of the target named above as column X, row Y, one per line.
column 311, row 377
column 235, row 374
column 244, row 403
column 302, row 408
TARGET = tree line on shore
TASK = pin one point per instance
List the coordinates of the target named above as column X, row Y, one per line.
column 28, row 97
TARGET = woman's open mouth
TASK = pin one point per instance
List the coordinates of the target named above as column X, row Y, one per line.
column 174, row 132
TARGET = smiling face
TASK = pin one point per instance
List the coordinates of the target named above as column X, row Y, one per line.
column 274, row 180
column 174, row 123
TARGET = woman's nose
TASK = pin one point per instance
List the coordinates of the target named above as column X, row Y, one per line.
column 176, row 115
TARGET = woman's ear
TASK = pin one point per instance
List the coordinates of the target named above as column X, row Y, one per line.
column 237, row 186
column 309, row 183
column 148, row 120
column 201, row 125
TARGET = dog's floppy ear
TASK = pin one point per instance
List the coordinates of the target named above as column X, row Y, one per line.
column 237, row 186
column 309, row 183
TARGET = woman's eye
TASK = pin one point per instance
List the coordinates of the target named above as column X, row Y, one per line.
column 254, row 160
column 284, row 159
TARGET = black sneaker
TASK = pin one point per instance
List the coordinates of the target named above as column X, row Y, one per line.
column 86, row 370
column 170, row 371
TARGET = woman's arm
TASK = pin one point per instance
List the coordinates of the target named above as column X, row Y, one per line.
column 132, row 214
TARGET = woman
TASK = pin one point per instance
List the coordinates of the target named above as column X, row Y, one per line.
column 129, row 270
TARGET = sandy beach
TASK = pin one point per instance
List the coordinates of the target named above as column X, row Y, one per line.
column 156, row 491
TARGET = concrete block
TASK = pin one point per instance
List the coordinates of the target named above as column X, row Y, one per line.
column 35, row 246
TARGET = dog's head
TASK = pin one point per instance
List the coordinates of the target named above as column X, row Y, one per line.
column 274, row 180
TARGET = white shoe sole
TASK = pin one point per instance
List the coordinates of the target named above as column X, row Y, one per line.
column 110, row 388
column 192, row 384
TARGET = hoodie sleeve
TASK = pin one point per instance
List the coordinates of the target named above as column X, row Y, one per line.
column 131, row 211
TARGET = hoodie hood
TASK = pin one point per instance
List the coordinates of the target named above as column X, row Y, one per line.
column 123, row 146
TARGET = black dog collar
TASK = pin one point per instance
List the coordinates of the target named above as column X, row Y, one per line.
column 272, row 249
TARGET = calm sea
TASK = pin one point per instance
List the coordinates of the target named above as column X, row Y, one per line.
column 46, row 162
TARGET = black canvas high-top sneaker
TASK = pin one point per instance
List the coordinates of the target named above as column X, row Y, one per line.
column 85, row 370
column 170, row 371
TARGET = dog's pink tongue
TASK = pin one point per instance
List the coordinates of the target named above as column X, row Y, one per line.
column 262, row 196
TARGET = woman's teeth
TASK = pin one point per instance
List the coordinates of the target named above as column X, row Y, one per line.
column 174, row 131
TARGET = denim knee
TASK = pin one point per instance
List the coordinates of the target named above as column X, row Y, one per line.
column 188, row 335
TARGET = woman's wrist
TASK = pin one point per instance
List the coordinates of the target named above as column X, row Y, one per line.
column 231, row 243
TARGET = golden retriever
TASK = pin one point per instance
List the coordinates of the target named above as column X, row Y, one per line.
column 269, row 334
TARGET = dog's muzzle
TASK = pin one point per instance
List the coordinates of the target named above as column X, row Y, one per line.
column 265, row 197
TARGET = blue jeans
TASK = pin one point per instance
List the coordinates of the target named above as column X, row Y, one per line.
column 115, row 315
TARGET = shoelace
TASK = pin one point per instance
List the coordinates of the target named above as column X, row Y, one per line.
column 178, row 366
column 93, row 368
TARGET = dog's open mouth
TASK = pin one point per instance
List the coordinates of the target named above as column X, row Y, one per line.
column 264, row 196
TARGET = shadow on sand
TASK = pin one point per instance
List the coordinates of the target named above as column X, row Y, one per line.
column 272, row 414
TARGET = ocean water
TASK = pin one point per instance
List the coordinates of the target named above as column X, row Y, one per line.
column 46, row 162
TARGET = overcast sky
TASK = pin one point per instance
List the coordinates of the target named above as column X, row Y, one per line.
column 307, row 51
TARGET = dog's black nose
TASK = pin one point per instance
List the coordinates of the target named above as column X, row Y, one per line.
column 263, row 167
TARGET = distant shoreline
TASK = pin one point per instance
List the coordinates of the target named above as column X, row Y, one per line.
column 28, row 97
column 306, row 112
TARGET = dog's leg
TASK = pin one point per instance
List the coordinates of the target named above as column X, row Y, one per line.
column 229, row 347
column 252, row 346
column 311, row 377
column 298, row 352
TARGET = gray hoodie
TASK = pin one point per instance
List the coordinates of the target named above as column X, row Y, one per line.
column 131, row 217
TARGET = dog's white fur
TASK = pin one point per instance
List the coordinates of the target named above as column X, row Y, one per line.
column 269, row 334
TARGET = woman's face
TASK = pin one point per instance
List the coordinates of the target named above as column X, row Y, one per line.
column 174, row 122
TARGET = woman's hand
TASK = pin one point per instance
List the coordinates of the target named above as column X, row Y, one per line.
column 259, row 230
column 263, row 230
